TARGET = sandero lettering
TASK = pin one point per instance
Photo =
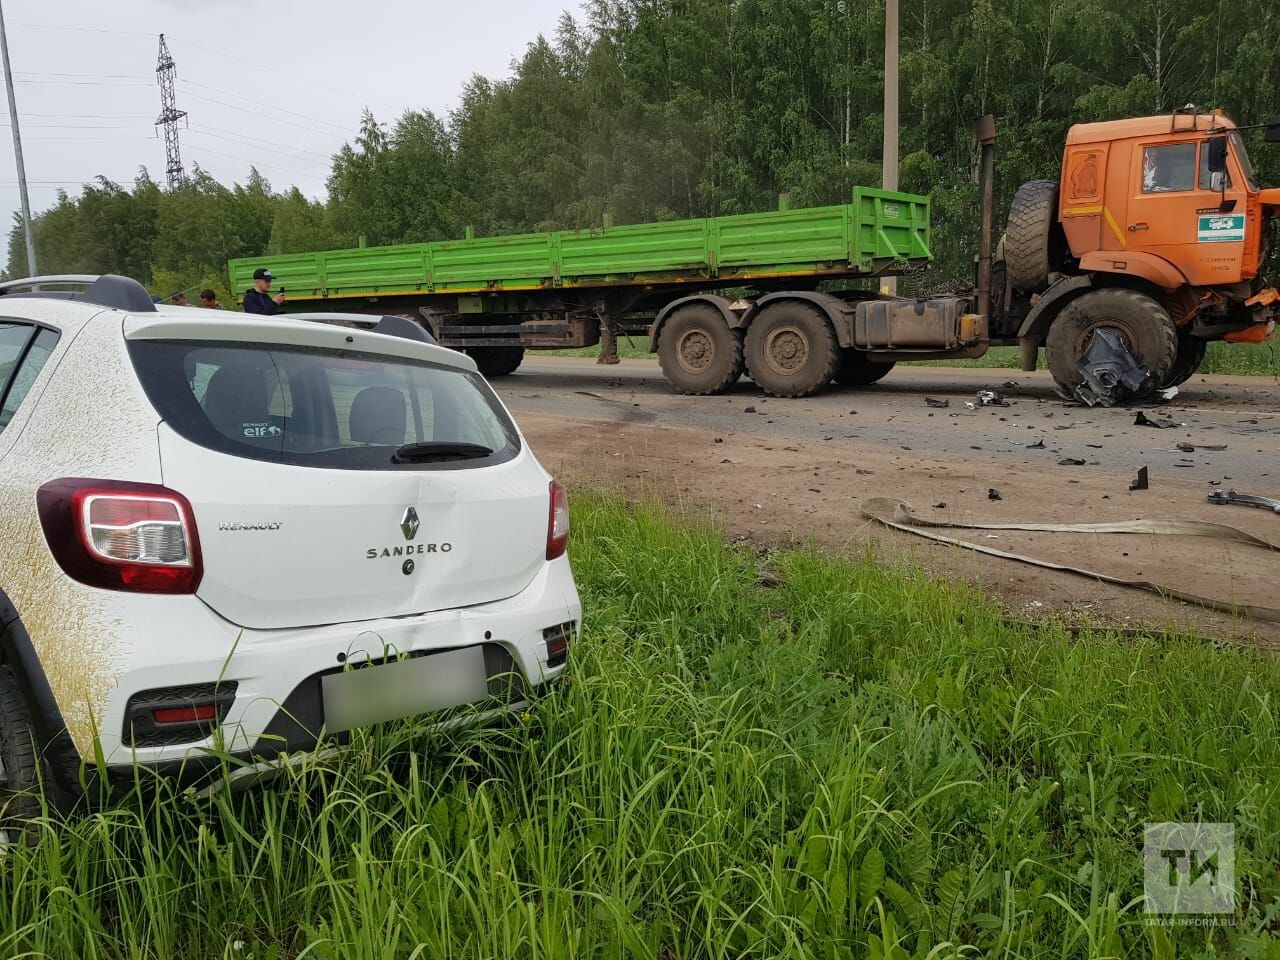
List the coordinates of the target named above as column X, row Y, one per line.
column 409, row 550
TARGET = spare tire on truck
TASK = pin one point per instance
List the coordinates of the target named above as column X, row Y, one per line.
column 496, row 361
column 1034, row 244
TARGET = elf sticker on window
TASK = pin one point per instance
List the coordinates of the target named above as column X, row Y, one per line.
column 1220, row 227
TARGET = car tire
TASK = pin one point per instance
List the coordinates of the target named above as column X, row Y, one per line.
column 496, row 361
column 20, row 805
column 856, row 370
column 1141, row 323
column 791, row 350
column 697, row 351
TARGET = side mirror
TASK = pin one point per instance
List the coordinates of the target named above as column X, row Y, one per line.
column 1272, row 134
column 1217, row 181
column 1217, row 159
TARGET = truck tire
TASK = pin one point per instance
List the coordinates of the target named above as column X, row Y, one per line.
column 1033, row 242
column 496, row 361
column 1190, row 356
column 856, row 370
column 19, row 765
column 791, row 349
column 697, row 351
column 1142, row 324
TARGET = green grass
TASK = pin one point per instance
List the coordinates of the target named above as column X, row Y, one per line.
column 1245, row 359
column 859, row 762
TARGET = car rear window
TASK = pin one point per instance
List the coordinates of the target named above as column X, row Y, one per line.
column 324, row 408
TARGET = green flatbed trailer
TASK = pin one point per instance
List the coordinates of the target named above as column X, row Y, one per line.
column 495, row 297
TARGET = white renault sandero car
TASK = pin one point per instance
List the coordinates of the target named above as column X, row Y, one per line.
column 250, row 534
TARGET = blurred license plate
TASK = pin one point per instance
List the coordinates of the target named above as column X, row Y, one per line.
column 405, row 688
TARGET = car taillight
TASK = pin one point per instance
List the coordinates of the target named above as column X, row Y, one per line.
column 121, row 536
column 558, row 522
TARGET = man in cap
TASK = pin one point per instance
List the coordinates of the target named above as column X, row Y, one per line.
column 258, row 299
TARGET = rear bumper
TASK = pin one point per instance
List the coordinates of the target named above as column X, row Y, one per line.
column 278, row 707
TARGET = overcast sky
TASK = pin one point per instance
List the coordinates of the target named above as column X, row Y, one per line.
column 279, row 84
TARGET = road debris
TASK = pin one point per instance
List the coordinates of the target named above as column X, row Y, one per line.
column 1038, row 445
column 1141, row 481
column 937, row 404
column 1244, row 500
column 748, row 409
column 898, row 514
column 1070, row 462
column 1142, row 420
column 1111, row 375
column 993, row 494
column 1192, row 448
column 990, row 398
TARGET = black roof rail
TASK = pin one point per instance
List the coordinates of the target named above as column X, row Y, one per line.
column 105, row 290
column 391, row 325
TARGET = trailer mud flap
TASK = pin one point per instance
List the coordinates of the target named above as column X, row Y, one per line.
column 898, row 514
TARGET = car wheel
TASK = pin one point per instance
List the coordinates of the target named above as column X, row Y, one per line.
column 19, row 765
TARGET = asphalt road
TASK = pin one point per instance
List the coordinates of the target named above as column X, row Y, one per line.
column 1036, row 429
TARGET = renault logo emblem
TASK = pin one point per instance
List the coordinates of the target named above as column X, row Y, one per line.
column 409, row 523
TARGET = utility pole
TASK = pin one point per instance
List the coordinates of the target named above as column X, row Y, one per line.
column 169, row 116
column 889, row 161
column 17, row 151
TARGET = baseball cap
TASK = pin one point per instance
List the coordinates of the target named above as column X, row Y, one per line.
column 262, row 273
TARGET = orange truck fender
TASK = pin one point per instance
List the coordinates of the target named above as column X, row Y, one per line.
column 1148, row 266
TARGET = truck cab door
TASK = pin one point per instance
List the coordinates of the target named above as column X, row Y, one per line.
column 1174, row 213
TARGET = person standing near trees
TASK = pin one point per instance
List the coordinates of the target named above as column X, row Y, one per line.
column 258, row 298
column 209, row 299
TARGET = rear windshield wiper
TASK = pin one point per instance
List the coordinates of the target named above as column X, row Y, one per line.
column 439, row 450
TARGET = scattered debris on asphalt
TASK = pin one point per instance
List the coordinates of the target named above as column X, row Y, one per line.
column 1244, row 500
column 993, row 494
column 991, row 398
column 1070, row 462
column 940, row 506
column 1009, row 385
column 1142, row 420
column 1038, row 445
column 748, row 409
column 1192, row 448
column 1110, row 373
column 937, row 404
column 1141, row 481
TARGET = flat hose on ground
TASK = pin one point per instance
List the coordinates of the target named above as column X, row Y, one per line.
column 898, row 514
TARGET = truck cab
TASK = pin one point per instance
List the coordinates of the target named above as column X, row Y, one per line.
column 1157, row 231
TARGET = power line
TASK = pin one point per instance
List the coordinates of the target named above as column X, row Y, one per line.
column 257, row 113
column 292, row 113
column 252, row 162
column 248, row 141
column 99, row 76
column 62, row 26
column 83, row 83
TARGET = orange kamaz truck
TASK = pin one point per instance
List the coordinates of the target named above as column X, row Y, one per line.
column 1156, row 230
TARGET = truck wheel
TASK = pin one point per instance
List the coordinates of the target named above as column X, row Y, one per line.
column 856, row 370
column 698, row 352
column 496, row 361
column 1143, row 326
column 791, row 350
column 19, row 766
column 1190, row 356
column 1033, row 241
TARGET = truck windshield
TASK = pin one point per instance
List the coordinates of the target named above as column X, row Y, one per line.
column 1242, row 155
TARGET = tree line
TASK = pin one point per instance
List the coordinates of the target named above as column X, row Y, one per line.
column 641, row 110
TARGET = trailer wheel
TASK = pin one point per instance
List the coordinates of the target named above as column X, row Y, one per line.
column 1190, row 356
column 791, row 349
column 496, row 361
column 698, row 352
column 856, row 370
column 1142, row 324
column 1034, row 243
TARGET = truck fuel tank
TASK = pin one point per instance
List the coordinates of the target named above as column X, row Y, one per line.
column 944, row 323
